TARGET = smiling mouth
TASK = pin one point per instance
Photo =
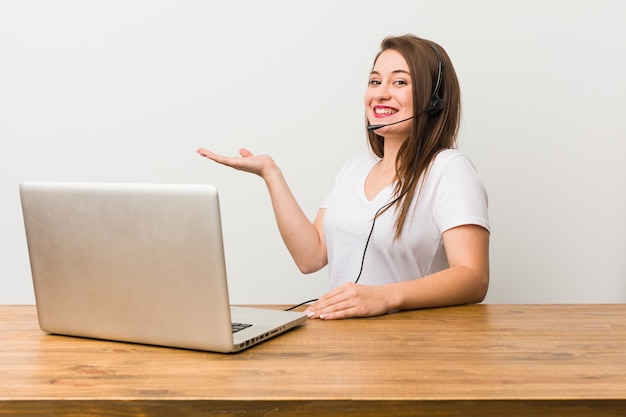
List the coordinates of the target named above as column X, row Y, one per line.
column 384, row 111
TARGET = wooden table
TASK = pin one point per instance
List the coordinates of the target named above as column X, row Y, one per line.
column 480, row 360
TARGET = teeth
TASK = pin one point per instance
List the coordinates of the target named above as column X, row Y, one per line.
column 384, row 111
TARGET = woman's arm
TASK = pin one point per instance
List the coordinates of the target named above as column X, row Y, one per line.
column 304, row 240
column 464, row 282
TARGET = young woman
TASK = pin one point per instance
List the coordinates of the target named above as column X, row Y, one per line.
column 405, row 227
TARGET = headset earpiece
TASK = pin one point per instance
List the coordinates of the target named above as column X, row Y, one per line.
column 436, row 103
column 435, row 106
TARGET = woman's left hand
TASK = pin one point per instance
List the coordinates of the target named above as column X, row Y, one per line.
column 350, row 300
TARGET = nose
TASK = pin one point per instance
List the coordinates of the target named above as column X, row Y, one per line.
column 382, row 92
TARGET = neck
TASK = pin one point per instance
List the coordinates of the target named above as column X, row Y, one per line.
column 390, row 153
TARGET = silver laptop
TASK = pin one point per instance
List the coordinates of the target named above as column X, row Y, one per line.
column 140, row 263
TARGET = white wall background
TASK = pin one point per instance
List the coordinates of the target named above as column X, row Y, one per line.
column 127, row 90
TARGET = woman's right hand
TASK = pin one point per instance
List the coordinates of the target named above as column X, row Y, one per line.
column 259, row 165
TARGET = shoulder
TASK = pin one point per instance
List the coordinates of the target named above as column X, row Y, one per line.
column 448, row 156
column 451, row 162
column 453, row 171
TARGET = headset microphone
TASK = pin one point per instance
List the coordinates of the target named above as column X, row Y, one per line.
column 376, row 127
column 371, row 128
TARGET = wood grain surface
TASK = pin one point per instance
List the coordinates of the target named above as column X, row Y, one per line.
column 505, row 360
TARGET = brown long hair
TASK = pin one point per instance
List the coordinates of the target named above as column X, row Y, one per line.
column 431, row 133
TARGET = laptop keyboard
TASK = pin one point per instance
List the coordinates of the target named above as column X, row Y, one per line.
column 240, row 326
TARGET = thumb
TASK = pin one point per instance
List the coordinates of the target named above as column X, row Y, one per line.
column 245, row 153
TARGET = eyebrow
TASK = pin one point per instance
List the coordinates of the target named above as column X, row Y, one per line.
column 398, row 71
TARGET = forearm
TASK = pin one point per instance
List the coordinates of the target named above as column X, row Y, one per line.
column 453, row 286
column 301, row 237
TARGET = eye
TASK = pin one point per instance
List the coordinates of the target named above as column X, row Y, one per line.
column 400, row 82
column 373, row 82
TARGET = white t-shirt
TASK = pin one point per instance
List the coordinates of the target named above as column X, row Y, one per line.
column 451, row 196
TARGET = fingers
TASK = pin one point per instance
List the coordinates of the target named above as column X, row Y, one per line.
column 212, row 156
column 234, row 162
column 205, row 152
column 350, row 300
column 221, row 158
column 342, row 302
